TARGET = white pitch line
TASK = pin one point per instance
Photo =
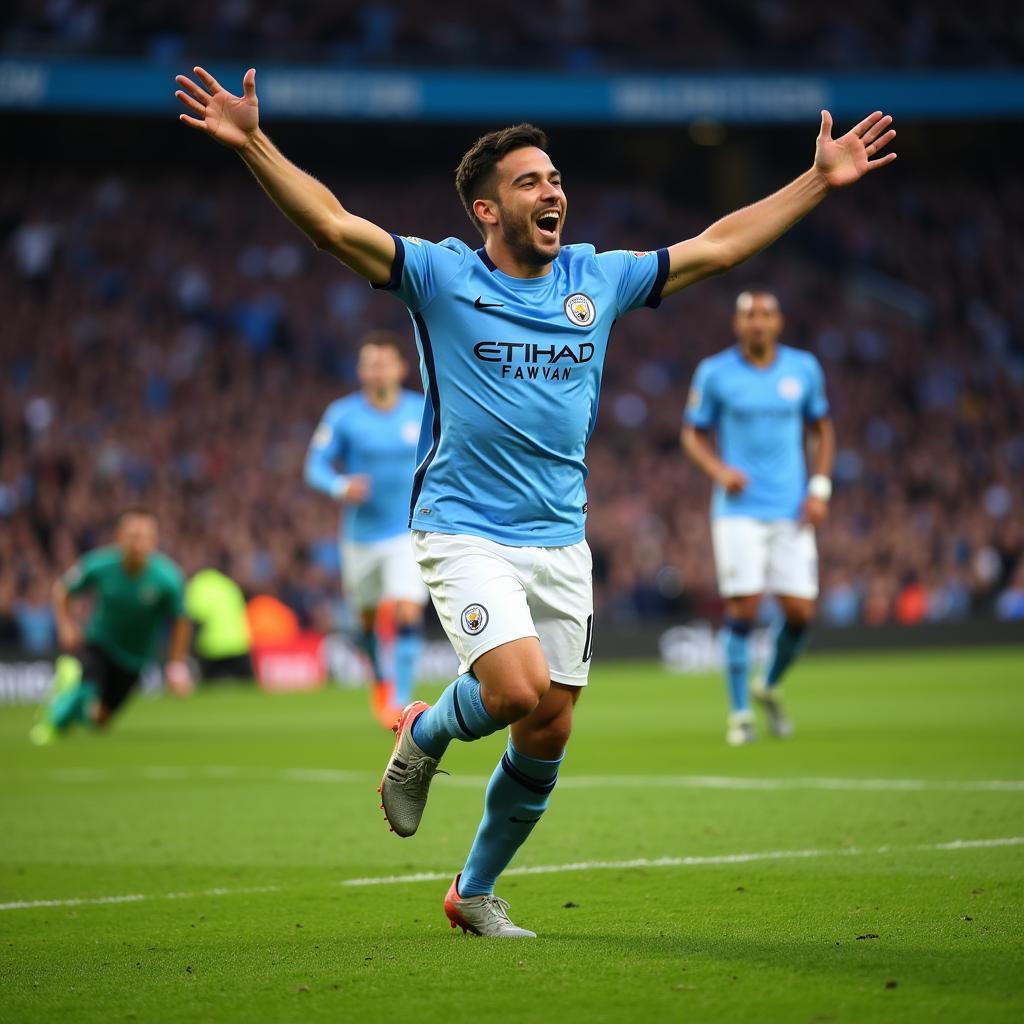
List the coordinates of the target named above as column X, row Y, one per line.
column 696, row 861
column 541, row 869
column 134, row 897
column 158, row 773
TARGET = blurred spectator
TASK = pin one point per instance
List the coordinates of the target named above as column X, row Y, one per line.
column 578, row 34
column 1010, row 603
column 216, row 604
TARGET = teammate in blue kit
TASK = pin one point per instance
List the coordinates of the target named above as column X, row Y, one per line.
column 761, row 398
column 373, row 434
column 512, row 339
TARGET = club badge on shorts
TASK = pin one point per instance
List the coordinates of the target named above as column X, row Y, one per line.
column 474, row 619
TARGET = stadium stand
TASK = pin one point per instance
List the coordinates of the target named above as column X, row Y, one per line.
column 573, row 34
column 168, row 339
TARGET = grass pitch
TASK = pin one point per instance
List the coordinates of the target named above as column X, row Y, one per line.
column 192, row 865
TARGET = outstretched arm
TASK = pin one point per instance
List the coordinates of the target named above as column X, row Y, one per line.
column 737, row 237
column 234, row 121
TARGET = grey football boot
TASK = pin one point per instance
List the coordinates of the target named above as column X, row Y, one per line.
column 403, row 790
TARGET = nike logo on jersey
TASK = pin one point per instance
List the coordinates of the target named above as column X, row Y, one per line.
column 480, row 304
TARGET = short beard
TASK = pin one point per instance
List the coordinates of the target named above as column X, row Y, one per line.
column 518, row 237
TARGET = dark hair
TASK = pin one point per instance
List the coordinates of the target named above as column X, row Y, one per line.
column 474, row 177
column 382, row 338
column 132, row 511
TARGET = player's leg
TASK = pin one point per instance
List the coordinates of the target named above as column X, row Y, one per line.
column 561, row 600
column 793, row 575
column 740, row 546
column 362, row 577
column 790, row 638
column 404, row 585
column 70, row 701
column 481, row 601
column 517, row 797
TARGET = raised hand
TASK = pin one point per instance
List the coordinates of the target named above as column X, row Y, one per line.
column 231, row 120
column 847, row 159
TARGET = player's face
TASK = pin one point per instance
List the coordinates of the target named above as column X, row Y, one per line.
column 758, row 321
column 137, row 539
column 530, row 205
column 380, row 369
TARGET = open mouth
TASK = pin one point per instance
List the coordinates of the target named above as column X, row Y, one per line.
column 548, row 223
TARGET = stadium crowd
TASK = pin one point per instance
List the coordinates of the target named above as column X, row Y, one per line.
column 575, row 34
column 170, row 340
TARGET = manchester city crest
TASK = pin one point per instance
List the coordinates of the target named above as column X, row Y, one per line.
column 474, row 618
column 579, row 309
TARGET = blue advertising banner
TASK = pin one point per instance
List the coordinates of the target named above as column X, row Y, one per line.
column 139, row 87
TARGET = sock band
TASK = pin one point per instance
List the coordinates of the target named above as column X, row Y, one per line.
column 534, row 785
column 459, row 716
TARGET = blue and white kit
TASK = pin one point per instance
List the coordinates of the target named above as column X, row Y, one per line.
column 758, row 415
column 377, row 561
column 512, row 374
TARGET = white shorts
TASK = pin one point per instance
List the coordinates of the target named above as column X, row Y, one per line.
column 756, row 556
column 381, row 570
column 488, row 594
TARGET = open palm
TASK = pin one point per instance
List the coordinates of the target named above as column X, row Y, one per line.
column 845, row 160
column 230, row 119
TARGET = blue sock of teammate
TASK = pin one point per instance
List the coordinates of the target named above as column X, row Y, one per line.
column 459, row 714
column 72, row 705
column 367, row 641
column 789, row 643
column 736, row 641
column 517, row 796
column 407, row 653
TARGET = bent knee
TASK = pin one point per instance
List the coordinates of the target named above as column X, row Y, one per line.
column 800, row 617
column 521, row 697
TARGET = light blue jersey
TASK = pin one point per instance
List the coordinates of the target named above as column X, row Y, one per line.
column 512, row 372
column 380, row 443
column 758, row 415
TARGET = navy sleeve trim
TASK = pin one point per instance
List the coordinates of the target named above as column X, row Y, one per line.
column 395, row 281
column 653, row 299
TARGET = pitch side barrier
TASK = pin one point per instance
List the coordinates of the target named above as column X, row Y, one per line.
column 106, row 86
column 689, row 648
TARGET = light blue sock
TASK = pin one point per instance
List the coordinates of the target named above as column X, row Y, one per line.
column 736, row 642
column 459, row 714
column 72, row 706
column 367, row 641
column 789, row 644
column 517, row 796
column 408, row 644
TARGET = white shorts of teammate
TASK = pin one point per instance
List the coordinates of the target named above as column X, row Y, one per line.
column 755, row 556
column 381, row 570
column 488, row 594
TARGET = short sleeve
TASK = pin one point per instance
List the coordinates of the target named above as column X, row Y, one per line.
column 420, row 269
column 638, row 277
column 816, row 401
column 702, row 404
column 174, row 601
column 82, row 575
column 330, row 439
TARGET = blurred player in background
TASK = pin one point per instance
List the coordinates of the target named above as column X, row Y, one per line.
column 761, row 399
column 372, row 435
column 512, row 338
column 137, row 592
column 223, row 642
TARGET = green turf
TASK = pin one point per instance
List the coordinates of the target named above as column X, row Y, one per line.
column 183, row 798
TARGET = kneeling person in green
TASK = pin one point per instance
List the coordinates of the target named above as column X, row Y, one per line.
column 137, row 591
